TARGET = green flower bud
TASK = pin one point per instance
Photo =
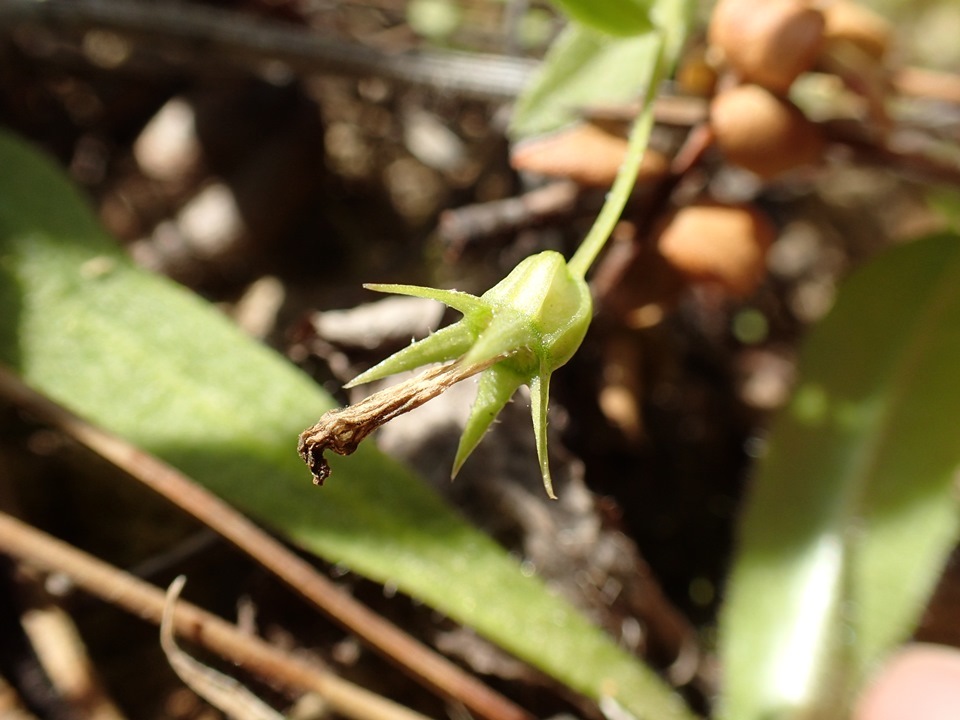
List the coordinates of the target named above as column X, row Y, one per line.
column 540, row 314
column 519, row 332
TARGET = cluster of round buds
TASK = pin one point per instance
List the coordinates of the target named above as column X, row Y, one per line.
column 767, row 46
column 762, row 48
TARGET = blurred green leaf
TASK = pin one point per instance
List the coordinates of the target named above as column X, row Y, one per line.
column 853, row 511
column 588, row 67
column 151, row 362
column 583, row 69
column 616, row 17
column 946, row 203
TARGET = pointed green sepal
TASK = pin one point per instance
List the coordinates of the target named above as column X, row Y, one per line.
column 507, row 334
column 446, row 344
column 495, row 388
column 460, row 301
column 539, row 402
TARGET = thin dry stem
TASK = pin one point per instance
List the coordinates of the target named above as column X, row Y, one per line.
column 31, row 546
column 411, row 656
column 200, row 32
column 222, row 691
column 62, row 653
column 460, row 227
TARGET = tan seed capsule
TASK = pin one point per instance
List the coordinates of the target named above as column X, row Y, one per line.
column 721, row 244
column 762, row 132
column 695, row 74
column 768, row 42
column 849, row 22
column 585, row 154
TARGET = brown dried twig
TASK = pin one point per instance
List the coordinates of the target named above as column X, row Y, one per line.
column 410, row 655
column 914, row 159
column 221, row 691
column 62, row 653
column 200, row 32
column 38, row 549
column 462, row 226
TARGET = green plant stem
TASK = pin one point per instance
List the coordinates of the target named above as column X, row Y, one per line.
column 617, row 198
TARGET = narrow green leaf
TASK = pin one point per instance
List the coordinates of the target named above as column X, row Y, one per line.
column 853, row 511
column 149, row 361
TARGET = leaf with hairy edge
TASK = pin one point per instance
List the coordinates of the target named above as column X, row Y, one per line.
column 853, row 511
column 151, row 362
